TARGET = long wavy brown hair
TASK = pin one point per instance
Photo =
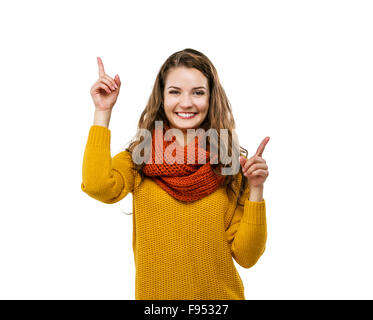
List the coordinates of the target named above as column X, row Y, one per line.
column 219, row 114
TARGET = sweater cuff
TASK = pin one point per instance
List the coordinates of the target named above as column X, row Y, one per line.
column 99, row 137
column 254, row 212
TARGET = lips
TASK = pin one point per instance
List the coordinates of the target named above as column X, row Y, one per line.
column 186, row 115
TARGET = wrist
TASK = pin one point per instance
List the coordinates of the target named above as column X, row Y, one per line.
column 102, row 118
column 256, row 193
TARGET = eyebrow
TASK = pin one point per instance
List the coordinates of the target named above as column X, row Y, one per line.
column 179, row 88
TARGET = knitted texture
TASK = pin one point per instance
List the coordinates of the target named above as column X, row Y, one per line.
column 182, row 250
column 182, row 174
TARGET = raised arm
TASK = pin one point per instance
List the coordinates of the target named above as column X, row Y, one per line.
column 104, row 178
column 247, row 231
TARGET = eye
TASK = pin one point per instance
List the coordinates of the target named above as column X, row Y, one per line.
column 200, row 93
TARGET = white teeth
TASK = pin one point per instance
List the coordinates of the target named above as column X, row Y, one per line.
column 186, row 115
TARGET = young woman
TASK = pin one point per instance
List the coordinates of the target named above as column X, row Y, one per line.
column 189, row 219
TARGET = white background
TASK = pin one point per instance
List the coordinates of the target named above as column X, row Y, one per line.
column 300, row 72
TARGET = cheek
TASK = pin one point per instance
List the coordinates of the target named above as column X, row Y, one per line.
column 168, row 112
column 200, row 101
column 169, row 104
column 203, row 107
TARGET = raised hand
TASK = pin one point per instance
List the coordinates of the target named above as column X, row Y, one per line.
column 255, row 169
column 105, row 90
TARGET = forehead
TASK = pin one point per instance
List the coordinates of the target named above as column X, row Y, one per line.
column 185, row 77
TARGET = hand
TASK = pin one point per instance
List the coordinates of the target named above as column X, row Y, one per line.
column 255, row 169
column 105, row 90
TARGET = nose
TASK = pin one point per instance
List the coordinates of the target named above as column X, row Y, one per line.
column 185, row 101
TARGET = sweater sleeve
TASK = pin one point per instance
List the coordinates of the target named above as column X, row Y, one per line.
column 104, row 178
column 247, row 231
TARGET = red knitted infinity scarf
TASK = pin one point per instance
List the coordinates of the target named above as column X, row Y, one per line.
column 186, row 181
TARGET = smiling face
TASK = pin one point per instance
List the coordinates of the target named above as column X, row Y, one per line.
column 186, row 98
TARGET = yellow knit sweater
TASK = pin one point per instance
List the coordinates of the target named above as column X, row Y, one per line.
column 181, row 251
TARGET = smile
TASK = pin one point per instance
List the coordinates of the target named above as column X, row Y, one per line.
column 186, row 115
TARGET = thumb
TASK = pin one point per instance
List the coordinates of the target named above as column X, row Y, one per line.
column 117, row 80
column 242, row 161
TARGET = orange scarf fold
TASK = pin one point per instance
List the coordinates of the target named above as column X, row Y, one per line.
column 187, row 181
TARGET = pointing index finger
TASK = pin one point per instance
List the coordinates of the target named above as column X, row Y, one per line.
column 101, row 70
column 261, row 147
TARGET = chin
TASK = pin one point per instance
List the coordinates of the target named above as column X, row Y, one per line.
column 185, row 126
